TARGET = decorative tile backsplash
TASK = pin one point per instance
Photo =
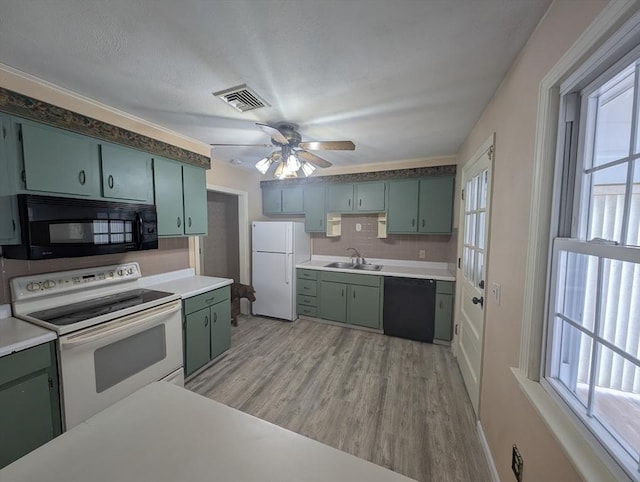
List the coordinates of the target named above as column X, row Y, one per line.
column 172, row 254
column 438, row 248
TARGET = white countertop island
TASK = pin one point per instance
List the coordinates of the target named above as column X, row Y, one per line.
column 184, row 283
column 166, row 433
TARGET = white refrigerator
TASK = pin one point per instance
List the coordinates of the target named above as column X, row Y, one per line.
column 277, row 247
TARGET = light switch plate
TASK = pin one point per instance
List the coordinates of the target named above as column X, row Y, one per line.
column 422, row 254
column 495, row 292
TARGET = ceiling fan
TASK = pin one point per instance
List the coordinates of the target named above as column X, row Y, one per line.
column 292, row 154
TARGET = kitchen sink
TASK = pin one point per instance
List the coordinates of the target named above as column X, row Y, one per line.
column 362, row 267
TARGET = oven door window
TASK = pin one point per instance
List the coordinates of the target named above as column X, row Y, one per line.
column 96, row 232
column 124, row 358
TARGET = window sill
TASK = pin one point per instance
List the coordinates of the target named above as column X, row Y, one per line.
column 589, row 459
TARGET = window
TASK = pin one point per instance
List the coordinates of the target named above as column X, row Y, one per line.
column 593, row 319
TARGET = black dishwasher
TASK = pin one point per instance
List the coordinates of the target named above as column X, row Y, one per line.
column 409, row 308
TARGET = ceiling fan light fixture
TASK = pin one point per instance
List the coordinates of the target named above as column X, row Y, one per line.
column 263, row 165
column 293, row 164
column 307, row 168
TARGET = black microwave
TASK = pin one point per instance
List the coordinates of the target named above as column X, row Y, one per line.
column 55, row 227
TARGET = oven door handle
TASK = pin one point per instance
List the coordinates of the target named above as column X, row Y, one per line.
column 121, row 325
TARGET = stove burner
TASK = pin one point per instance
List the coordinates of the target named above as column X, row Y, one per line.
column 85, row 310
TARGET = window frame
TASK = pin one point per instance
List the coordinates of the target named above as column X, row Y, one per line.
column 608, row 36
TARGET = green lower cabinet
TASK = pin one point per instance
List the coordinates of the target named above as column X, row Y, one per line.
column 364, row 306
column 220, row 328
column 333, row 301
column 207, row 328
column 444, row 310
column 197, row 348
column 29, row 401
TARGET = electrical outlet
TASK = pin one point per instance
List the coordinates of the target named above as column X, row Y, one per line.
column 516, row 463
column 422, row 254
column 495, row 292
column 358, row 227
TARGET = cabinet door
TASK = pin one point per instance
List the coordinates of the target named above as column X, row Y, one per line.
column 197, row 350
column 444, row 317
column 370, row 197
column 167, row 177
column 292, row 200
column 402, row 215
column 436, row 205
column 271, row 201
column 126, row 173
column 9, row 232
column 364, row 306
column 25, row 417
column 220, row 328
column 333, row 301
column 340, row 198
column 313, row 205
column 195, row 200
column 58, row 161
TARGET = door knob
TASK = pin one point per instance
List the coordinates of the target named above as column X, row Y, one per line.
column 478, row 301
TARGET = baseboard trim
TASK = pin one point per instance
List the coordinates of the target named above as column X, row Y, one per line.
column 493, row 471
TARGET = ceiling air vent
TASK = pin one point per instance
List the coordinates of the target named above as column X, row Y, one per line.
column 241, row 98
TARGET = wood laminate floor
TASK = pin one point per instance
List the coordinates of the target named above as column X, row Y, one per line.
column 398, row 403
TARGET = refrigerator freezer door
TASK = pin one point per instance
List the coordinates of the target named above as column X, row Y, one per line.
column 273, row 237
column 273, row 282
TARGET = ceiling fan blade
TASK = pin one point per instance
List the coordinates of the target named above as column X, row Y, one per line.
column 313, row 159
column 241, row 145
column 328, row 145
column 274, row 133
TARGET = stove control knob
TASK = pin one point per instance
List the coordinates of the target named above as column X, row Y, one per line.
column 49, row 284
column 130, row 271
column 120, row 272
column 33, row 287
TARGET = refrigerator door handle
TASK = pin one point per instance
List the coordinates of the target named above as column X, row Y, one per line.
column 286, row 269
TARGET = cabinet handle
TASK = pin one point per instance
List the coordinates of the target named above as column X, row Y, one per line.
column 215, row 317
column 441, row 305
column 413, row 222
column 342, row 293
column 210, row 300
column 349, row 202
column 110, row 180
column 360, row 202
column 305, row 287
column 206, row 321
column 423, row 222
column 189, row 221
column 354, row 294
column 82, row 177
column 179, row 221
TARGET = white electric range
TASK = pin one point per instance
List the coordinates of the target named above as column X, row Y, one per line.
column 114, row 336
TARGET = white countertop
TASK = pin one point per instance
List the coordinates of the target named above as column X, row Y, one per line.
column 166, row 433
column 16, row 335
column 404, row 269
column 184, row 283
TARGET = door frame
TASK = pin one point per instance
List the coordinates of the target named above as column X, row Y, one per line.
column 455, row 342
column 243, row 236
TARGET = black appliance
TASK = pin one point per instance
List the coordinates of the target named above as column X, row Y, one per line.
column 409, row 308
column 55, row 227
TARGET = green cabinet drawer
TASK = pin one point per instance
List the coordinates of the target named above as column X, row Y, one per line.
column 445, row 287
column 307, row 274
column 354, row 279
column 307, row 300
column 22, row 363
column 307, row 310
column 207, row 299
column 307, row 287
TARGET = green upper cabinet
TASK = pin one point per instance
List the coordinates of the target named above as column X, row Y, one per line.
column 126, row 173
column 167, row 178
column 314, row 210
column 58, row 161
column 421, row 206
column 282, row 200
column 403, row 206
column 195, row 200
column 370, row 196
column 436, row 205
column 181, row 198
column 340, row 198
column 9, row 232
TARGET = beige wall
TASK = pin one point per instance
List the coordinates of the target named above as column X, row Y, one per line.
column 506, row 415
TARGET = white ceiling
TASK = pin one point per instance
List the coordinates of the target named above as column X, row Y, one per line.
column 403, row 79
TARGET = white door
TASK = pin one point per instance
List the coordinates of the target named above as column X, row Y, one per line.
column 471, row 279
column 272, row 237
column 273, row 282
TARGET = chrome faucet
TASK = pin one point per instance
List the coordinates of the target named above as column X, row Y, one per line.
column 357, row 255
